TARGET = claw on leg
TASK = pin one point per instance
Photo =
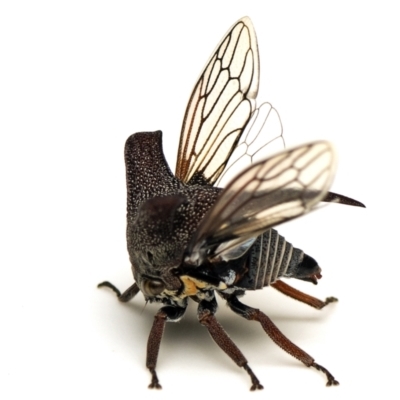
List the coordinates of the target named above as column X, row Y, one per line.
column 331, row 299
column 256, row 385
column 154, row 384
column 331, row 380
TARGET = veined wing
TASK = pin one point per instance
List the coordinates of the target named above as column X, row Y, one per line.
column 263, row 136
column 220, row 106
column 266, row 194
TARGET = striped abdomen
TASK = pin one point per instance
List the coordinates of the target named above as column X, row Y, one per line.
column 271, row 257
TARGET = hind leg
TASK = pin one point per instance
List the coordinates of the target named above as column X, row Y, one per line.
column 303, row 297
column 277, row 336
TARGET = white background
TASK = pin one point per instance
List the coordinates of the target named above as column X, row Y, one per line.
column 76, row 80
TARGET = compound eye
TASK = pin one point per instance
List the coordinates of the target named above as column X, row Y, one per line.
column 152, row 287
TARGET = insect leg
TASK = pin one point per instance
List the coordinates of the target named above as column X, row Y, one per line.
column 129, row 293
column 165, row 314
column 303, row 297
column 205, row 314
column 277, row 336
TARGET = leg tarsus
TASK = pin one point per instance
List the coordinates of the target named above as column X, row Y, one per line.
column 154, row 384
column 256, row 385
column 110, row 286
column 331, row 380
column 129, row 293
column 331, row 299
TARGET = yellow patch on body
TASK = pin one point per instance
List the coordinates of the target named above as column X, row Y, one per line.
column 192, row 285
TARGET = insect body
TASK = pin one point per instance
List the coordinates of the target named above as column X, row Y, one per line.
column 188, row 239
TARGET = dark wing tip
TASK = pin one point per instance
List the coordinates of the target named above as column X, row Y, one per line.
column 339, row 198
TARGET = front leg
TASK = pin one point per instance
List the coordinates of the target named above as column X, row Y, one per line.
column 129, row 293
column 277, row 336
column 206, row 317
column 165, row 314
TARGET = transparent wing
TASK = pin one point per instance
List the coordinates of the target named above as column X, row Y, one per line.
column 262, row 136
column 220, row 106
column 267, row 193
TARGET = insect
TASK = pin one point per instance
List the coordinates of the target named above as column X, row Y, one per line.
column 189, row 239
